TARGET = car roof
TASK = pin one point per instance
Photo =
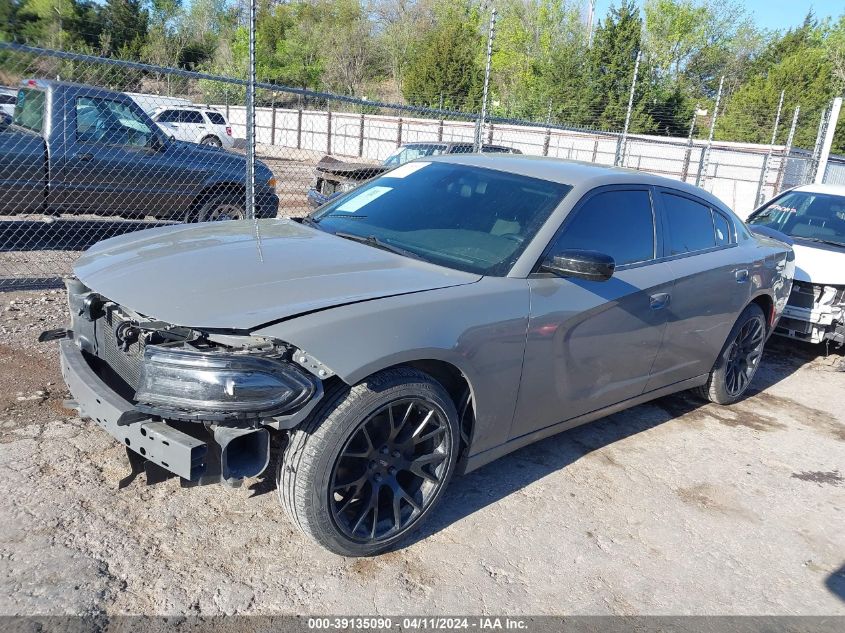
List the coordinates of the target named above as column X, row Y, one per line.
column 836, row 190
column 571, row 172
column 179, row 106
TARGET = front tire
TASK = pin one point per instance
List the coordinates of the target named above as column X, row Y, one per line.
column 739, row 359
column 221, row 206
column 371, row 462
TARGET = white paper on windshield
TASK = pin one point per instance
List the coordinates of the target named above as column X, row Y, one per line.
column 405, row 170
column 363, row 199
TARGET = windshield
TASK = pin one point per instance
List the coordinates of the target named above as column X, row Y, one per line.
column 468, row 218
column 805, row 214
column 412, row 152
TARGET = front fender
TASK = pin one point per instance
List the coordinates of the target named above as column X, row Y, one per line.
column 478, row 328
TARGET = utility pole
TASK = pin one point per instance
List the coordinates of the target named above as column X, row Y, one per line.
column 705, row 159
column 621, row 145
column 479, row 126
column 828, row 140
column 764, row 172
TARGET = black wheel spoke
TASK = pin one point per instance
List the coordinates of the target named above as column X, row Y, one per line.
column 391, row 468
column 744, row 356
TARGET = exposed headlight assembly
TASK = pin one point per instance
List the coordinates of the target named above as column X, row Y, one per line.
column 196, row 385
column 828, row 295
column 345, row 187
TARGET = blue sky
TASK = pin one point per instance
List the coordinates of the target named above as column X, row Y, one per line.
column 770, row 14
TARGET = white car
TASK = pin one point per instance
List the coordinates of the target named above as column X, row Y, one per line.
column 8, row 99
column 195, row 124
column 813, row 216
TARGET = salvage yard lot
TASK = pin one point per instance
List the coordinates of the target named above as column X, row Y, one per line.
column 671, row 507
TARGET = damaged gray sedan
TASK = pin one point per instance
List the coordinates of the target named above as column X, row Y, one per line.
column 430, row 321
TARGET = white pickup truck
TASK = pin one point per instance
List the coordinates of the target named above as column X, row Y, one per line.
column 813, row 216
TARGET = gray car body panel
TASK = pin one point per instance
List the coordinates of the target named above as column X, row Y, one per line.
column 540, row 353
column 216, row 275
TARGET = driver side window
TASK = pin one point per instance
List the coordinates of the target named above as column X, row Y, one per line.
column 619, row 223
column 110, row 123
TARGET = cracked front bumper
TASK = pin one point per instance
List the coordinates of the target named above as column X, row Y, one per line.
column 154, row 440
column 813, row 325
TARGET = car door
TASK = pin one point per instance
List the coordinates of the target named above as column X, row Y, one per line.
column 192, row 126
column 168, row 121
column 712, row 285
column 591, row 344
column 115, row 163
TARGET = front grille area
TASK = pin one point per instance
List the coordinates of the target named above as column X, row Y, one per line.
column 803, row 295
column 126, row 363
column 800, row 327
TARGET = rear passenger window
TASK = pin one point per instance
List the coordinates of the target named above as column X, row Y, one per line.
column 616, row 223
column 191, row 116
column 168, row 116
column 216, row 118
column 689, row 225
column 723, row 230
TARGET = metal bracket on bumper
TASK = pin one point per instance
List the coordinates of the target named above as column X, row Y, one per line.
column 155, row 441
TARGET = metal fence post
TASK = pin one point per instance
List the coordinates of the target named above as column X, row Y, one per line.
column 361, row 137
column 299, row 129
column 688, row 153
column 440, row 131
column 491, row 34
column 547, row 137
column 250, row 118
column 399, row 133
column 701, row 176
column 764, row 171
column 621, row 144
column 787, row 151
column 828, row 140
column 273, row 121
column 328, row 127
column 490, row 134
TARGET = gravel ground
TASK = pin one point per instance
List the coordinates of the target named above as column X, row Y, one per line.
column 670, row 508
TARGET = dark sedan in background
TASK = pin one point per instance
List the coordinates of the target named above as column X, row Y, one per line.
column 434, row 319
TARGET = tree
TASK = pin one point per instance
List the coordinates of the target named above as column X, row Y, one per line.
column 797, row 62
column 448, row 62
column 610, row 70
column 125, row 21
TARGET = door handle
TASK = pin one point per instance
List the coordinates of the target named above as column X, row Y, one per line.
column 85, row 156
column 741, row 276
column 659, row 301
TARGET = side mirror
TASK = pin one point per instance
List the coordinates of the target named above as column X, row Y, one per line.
column 157, row 143
column 588, row 265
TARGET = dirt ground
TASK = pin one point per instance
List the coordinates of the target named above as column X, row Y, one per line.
column 674, row 507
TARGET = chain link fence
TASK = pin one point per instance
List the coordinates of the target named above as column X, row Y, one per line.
column 100, row 147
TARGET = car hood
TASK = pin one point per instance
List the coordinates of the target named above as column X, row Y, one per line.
column 219, row 276
column 819, row 264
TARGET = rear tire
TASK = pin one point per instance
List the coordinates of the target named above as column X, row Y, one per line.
column 371, row 462
column 739, row 359
column 211, row 140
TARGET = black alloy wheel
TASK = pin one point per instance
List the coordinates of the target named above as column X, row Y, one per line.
column 744, row 357
column 390, row 470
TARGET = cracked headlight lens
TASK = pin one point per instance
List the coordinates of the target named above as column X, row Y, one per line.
column 213, row 385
